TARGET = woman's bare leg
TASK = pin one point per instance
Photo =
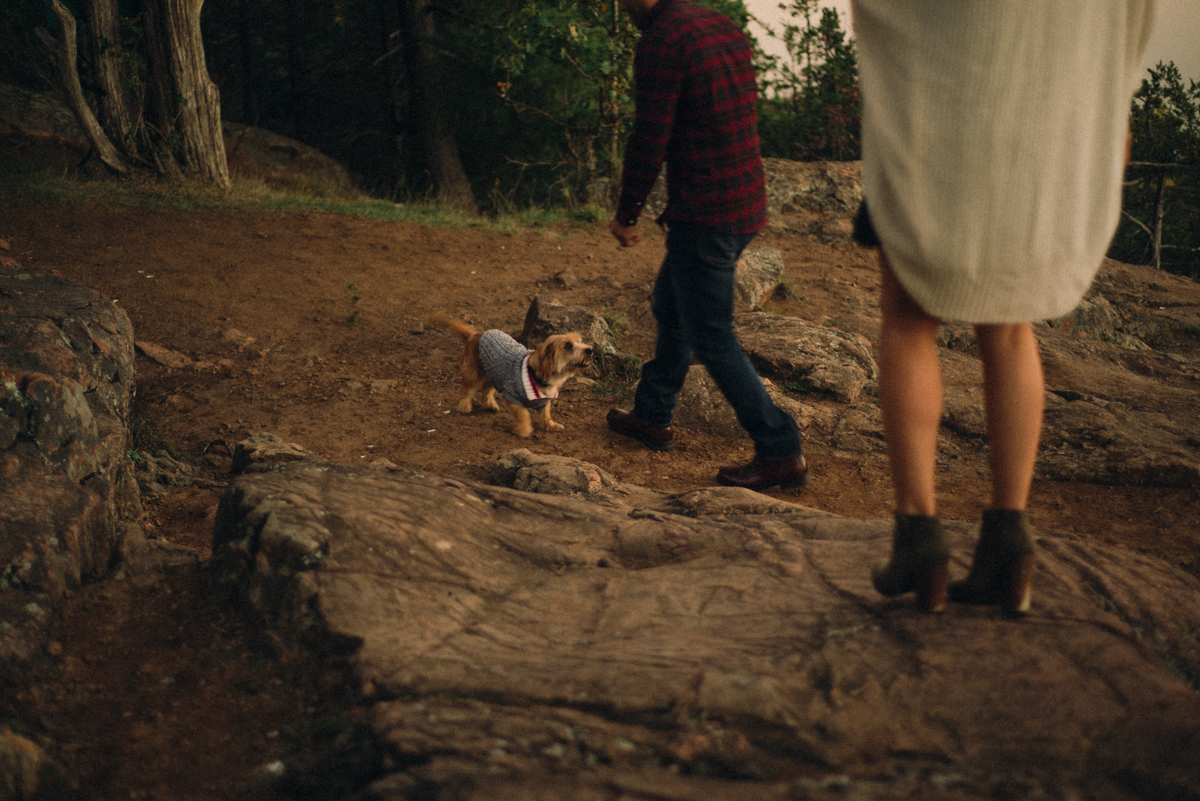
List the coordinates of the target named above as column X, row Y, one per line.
column 910, row 391
column 1014, row 396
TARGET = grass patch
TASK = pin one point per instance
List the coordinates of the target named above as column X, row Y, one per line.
column 144, row 437
column 786, row 289
column 617, row 372
column 24, row 184
column 617, row 322
column 355, row 297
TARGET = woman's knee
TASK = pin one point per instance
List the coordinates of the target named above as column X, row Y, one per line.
column 998, row 340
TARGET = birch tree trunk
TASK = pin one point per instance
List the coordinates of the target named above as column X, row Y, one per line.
column 183, row 102
column 1157, row 226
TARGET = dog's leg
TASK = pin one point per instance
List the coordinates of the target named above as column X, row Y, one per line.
column 466, row 400
column 545, row 422
column 522, row 424
column 489, row 400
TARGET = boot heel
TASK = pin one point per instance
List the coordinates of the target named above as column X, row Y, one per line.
column 932, row 585
column 1018, row 586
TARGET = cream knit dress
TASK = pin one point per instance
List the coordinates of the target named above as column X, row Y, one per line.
column 994, row 145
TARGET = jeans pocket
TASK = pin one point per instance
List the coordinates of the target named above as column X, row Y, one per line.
column 722, row 249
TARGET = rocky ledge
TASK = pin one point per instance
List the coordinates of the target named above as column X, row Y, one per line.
column 559, row 635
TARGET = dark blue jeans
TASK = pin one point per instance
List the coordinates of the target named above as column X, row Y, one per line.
column 693, row 304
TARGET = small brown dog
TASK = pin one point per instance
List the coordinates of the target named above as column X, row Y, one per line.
column 496, row 363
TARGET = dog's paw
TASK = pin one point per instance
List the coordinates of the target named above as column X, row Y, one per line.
column 555, row 427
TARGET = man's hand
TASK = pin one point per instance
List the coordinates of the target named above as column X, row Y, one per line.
column 624, row 234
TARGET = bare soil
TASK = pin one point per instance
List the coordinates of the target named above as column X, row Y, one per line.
column 309, row 326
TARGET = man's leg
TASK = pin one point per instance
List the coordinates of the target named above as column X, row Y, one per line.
column 910, row 393
column 663, row 376
column 706, row 308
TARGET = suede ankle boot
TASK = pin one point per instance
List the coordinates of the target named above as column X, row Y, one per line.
column 1002, row 570
column 920, row 561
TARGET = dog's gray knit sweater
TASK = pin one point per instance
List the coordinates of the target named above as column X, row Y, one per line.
column 504, row 362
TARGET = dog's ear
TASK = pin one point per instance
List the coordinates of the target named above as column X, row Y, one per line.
column 541, row 361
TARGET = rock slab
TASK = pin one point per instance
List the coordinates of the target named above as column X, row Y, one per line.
column 714, row 644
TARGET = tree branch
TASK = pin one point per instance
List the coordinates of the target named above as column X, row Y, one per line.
column 1169, row 166
column 1137, row 222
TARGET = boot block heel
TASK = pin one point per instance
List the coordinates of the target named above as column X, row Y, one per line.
column 932, row 586
column 1018, row 586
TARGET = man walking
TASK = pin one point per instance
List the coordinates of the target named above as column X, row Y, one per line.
column 695, row 99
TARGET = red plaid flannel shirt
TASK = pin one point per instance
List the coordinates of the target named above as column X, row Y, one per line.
column 695, row 99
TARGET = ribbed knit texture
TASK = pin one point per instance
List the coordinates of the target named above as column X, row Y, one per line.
column 993, row 146
column 504, row 360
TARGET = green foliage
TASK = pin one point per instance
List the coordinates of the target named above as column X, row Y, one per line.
column 811, row 109
column 799, row 384
column 550, row 93
column 1162, row 193
column 355, row 312
column 545, row 90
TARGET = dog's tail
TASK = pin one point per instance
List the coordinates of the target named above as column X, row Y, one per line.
column 457, row 326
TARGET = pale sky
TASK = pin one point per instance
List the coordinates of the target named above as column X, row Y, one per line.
column 1176, row 34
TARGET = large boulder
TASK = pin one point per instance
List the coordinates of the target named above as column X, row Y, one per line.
column 815, row 198
column 598, row 643
column 283, row 163
column 815, row 358
column 71, row 507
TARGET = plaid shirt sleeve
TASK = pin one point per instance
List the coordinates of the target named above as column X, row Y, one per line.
column 695, row 109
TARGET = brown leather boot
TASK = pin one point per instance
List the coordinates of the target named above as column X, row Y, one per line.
column 920, row 561
column 1002, row 570
column 760, row 475
column 656, row 439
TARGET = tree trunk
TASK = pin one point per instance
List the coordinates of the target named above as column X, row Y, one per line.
column 65, row 55
column 437, row 142
column 185, row 106
column 1157, row 224
column 115, row 116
